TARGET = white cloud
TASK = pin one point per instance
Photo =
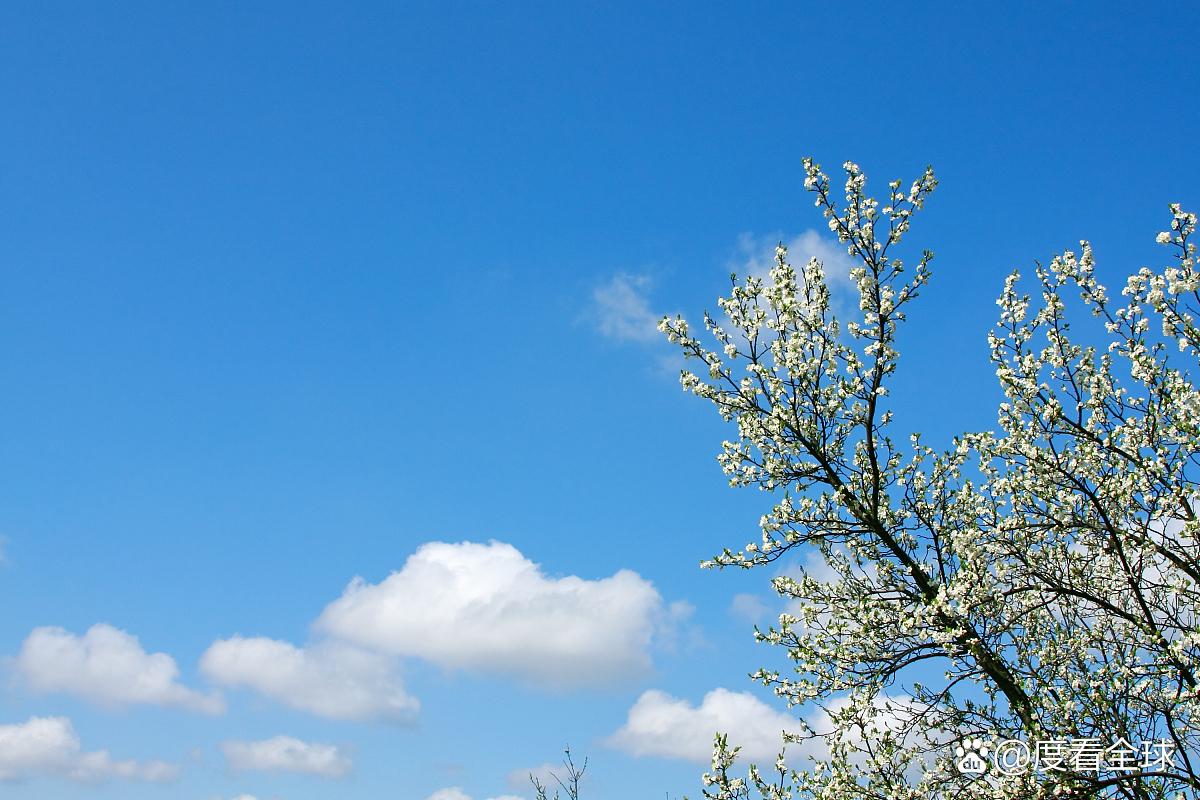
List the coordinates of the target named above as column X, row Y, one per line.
column 676, row 630
column 661, row 725
column 50, row 746
column 621, row 306
column 107, row 666
column 487, row 607
column 456, row 793
column 449, row 793
column 748, row 607
column 622, row 310
column 815, row 566
column 519, row 778
column 329, row 679
column 286, row 754
column 756, row 256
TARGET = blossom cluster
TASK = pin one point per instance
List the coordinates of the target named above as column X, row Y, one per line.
column 1050, row 566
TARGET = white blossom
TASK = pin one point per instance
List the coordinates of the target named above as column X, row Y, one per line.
column 1052, row 567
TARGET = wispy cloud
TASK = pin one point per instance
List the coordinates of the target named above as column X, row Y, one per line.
column 621, row 309
column 748, row 607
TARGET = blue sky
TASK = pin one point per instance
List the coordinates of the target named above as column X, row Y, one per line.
column 294, row 292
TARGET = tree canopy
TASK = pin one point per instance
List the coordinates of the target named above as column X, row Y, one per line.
column 997, row 618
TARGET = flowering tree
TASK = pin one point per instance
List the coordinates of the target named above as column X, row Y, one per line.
column 1014, row 617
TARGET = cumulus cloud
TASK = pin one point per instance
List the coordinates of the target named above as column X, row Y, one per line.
column 487, row 607
column 49, row 746
column 449, row 793
column 456, row 793
column 106, row 666
column 329, row 679
column 661, row 725
column 621, row 309
column 286, row 754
